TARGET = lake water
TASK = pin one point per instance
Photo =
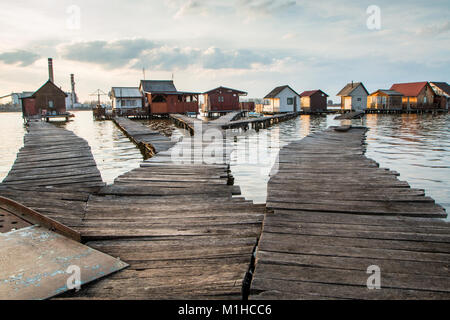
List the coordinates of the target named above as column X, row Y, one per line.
column 417, row 146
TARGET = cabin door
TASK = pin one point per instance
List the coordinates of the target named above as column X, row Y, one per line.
column 295, row 104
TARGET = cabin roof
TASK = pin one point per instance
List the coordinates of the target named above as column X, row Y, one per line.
column 444, row 86
column 177, row 92
column 411, row 89
column 34, row 93
column 275, row 92
column 350, row 87
column 388, row 92
column 311, row 92
column 159, row 86
column 225, row 88
column 126, row 92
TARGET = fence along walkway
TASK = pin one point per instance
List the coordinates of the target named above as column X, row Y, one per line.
column 175, row 222
column 54, row 173
column 335, row 213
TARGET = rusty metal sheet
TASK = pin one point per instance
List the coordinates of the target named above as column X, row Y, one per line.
column 33, row 217
column 34, row 263
column 9, row 221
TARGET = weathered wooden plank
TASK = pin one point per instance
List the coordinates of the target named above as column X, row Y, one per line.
column 335, row 214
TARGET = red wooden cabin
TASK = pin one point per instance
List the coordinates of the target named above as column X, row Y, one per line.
column 222, row 99
column 313, row 101
column 161, row 97
column 48, row 99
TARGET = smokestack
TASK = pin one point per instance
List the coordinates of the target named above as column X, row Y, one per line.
column 72, row 82
column 72, row 95
column 50, row 69
column 352, row 83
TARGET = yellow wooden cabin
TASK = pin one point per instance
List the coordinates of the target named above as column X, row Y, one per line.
column 385, row 100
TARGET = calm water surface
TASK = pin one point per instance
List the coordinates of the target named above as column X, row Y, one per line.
column 417, row 146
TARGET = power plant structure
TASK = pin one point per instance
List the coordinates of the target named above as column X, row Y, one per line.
column 72, row 96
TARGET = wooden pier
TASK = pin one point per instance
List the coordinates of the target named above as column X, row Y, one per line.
column 350, row 115
column 333, row 213
column 54, row 173
column 148, row 141
column 228, row 122
column 259, row 123
column 231, row 116
column 179, row 224
column 175, row 222
column 187, row 123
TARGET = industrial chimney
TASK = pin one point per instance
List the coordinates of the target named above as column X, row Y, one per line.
column 50, row 69
column 72, row 95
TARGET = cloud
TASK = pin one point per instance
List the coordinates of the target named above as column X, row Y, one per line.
column 21, row 57
column 170, row 58
column 191, row 7
column 265, row 7
column 435, row 29
column 253, row 8
column 140, row 53
column 215, row 58
column 290, row 35
column 113, row 54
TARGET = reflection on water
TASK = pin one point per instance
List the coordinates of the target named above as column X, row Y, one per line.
column 252, row 177
column 11, row 133
column 417, row 146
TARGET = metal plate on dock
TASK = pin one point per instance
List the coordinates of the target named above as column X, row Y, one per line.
column 34, row 264
column 9, row 221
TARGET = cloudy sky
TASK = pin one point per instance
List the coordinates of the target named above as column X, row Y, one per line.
column 253, row 45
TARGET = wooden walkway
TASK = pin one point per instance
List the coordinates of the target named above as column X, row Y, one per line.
column 228, row 122
column 232, row 116
column 175, row 222
column 259, row 123
column 148, row 141
column 350, row 115
column 187, row 123
column 54, row 173
column 334, row 213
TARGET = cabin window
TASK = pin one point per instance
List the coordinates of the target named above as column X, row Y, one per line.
column 424, row 99
column 50, row 104
column 290, row 101
column 159, row 98
column 359, row 99
column 221, row 99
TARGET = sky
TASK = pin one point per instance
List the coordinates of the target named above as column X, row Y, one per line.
column 250, row 45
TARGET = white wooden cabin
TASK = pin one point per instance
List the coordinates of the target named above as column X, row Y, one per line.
column 354, row 97
column 282, row 99
column 125, row 99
